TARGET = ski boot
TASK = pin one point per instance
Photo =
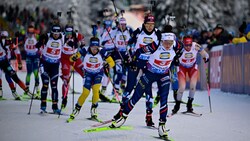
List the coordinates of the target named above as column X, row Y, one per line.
column 75, row 112
column 119, row 120
column 103, row 90
column 119, row 112
column 93, row 111
column 43, row 107
column 64, row 102
column 27, row 92
column 37, row 95
column 149, row 121
column 103, row 98
column 176, row 107
column 55, row 108
column 15, row 95
column 162, row 130
column 189, row 105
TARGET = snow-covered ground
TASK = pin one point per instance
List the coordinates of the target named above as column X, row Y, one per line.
column 229, row 120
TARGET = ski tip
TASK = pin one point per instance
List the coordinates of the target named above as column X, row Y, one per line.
column 106, row 128
column 69, row 120
column 164, row 138
column 192, row 113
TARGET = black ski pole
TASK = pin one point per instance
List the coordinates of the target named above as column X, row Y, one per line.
column 208, row 88
column 73, row 98
column 32, row 97
column 114, row 45
column 111, row 81
column 115, row 8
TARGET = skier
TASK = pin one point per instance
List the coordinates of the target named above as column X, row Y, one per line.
column 178, row 46
column 123, row 34
column 70, row 47
column 141, row 37
column 49, row 65
column 32, row 59
column 158, row 66
column 94, row 58
column 107, row 41
column 188, row 67
column 6, row 46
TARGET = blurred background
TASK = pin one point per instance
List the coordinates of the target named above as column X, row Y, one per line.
column 223, row 26
column 195, row 15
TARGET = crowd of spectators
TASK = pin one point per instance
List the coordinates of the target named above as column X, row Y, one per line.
column 220, row 36
column 18, row 20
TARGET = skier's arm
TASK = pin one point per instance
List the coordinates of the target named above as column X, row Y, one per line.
column 133, row 38
column 15, row 49
column 43, row 39
column 202, row 51
column 110, row 61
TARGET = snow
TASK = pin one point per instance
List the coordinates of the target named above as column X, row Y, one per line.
column 228, row 121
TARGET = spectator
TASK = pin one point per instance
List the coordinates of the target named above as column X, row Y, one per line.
column 247, row 32
column 242, row 38
column 203, row 37
column 220, row 36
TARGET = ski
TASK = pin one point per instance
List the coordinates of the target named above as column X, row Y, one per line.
column 191, row 113
column 62, row 114
column 182, row 102
column 152, row 127
column 111, row 101
column 164, row 138
column 95, row 119
column 24, row 100
column 1, row 99
column 106, row 128
column 102, row 123
column 170, row 115
column 69, row 120
column 43, row 113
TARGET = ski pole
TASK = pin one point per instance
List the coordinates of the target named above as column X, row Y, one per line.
column 114, row 44
column 208, row 88
column 73, row 91
column 111, row 81
column 119, row 23
column 32, row 97
column 115, row 8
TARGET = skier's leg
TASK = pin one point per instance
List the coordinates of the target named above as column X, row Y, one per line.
column 193, row 81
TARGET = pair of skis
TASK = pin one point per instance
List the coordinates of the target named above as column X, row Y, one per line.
column 191, row 113
column 53, row 113
column 99, row 127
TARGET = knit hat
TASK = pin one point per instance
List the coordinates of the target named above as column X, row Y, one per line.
column 149, row 19
column 94, row 42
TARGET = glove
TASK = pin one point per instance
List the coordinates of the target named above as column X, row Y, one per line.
column 206, row 60
column 127, row 60
column 104, row 42
column 133, row 65
column 176, row 62
column 74, row 57
column 106, row 66
column 20, row 66
column 71, row 43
